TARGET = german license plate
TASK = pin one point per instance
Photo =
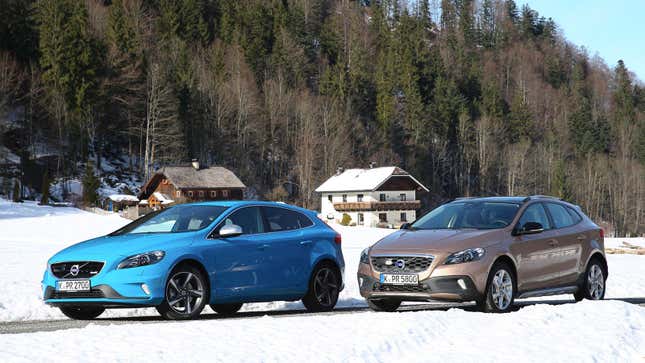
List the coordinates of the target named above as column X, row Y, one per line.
column 391, row 279
column 73, row 285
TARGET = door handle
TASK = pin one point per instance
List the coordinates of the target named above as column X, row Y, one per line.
column 553, row 243
column 581, row 237
column 305, row 243
column 263, row 247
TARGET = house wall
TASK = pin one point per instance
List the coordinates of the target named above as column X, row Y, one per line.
column 371, row 219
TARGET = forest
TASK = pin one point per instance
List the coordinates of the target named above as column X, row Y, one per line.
column 473, row 97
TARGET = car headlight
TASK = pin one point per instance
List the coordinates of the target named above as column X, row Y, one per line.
column 142, row 259
column 364, row 258
column 471, row 254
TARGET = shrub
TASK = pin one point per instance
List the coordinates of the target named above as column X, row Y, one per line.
column 346, row 219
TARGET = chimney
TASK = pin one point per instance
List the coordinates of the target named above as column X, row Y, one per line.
column 372, row 164
column 339, row 170
column 195, row 164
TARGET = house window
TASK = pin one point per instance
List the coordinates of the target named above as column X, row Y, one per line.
column 382, row 217
column 213, row 193
column 329, row 197
column 359, row 198
column 164, row 182
column 403, row 197
column 201, row 194
column 361, row 219
column 190, row 193
column 381, row 197
column 344, row 198
column 225, row 193
column 404, row 217
column 178, row 193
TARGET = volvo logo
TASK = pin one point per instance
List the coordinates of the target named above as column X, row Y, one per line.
column 400, row 264
column 74, row 270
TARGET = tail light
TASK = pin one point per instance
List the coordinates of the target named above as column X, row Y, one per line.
column 601, row 232
column 338, row 239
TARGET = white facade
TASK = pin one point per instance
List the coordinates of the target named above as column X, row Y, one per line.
column 356, row 192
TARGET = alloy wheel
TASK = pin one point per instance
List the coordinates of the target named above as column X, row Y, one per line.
column 184, row 293
column 502, row 289
column 595, row 282
column 325, row 286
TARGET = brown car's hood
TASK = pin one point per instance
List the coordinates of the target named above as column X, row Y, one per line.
column 437, row 240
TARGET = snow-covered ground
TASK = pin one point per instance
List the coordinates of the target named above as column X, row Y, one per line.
column 588, row 331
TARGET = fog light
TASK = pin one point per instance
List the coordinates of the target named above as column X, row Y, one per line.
column 461, row 284
column 145, row 289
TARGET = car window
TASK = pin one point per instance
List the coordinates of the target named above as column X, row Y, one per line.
column 535, row 213
column 248, row 218
column 181, row 218
column 561, row 218
column 281, row 219
column 575, row 216
column 477, row 215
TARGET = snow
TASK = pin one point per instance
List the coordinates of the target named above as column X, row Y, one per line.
column 607, row 331
column 163, row 198
column 356, row 179
column 123, row 198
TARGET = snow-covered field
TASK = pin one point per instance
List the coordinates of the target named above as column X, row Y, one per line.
column 587, row 331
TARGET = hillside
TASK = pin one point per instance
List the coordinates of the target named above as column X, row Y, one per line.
column 472, row 97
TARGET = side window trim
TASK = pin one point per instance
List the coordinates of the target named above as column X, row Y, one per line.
column 268, row 226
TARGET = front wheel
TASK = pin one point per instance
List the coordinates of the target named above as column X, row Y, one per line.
column 593, row 286
column 186, row 294
column 82, row 312
column 384, row 304
column 226, row 309
column 500, row 292
column 324, row 287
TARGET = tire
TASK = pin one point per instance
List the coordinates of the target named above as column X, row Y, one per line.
column 388, row 305
column 226, row 309
column 187, row 294
column 82, row 312
column 324, row 287
column 500, row 290
column 593, row 284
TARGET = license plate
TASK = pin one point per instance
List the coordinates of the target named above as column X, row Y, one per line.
column 392, row 279
column 73, row 285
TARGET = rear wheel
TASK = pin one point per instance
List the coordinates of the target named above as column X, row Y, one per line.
column 324, row 287
column 186, row 294
column 82, row 312
column 593, row 286
column 500, row 290
column 226, row 309
column 384, row 304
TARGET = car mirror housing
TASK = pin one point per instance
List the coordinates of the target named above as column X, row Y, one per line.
column 230, row 230
column 530, row 228
column 405, row 226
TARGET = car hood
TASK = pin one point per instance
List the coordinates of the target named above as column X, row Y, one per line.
column 109, row 247
column 437, row 240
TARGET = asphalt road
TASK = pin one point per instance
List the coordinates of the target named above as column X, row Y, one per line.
column 33, row 326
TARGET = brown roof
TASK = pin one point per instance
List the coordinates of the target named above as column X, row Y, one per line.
column 184, row 177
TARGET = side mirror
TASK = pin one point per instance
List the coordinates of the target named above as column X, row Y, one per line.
column 230, row 230
column 405, row 226
column 530, row 228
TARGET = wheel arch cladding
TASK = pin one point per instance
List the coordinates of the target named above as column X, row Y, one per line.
column 326, row 260
column 195, row 264
column 598, row 256
column 507, row 260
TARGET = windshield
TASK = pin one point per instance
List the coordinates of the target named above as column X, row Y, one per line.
column 475, row 215
column 181, row 218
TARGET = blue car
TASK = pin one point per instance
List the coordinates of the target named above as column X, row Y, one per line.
column 184, row 257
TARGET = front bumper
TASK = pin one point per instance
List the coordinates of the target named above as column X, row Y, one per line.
column 444, row 283
column 112, row 288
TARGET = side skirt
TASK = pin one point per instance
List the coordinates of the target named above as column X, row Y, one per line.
column 549, row 292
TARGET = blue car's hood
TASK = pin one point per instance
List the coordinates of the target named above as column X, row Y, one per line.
column 108, row 247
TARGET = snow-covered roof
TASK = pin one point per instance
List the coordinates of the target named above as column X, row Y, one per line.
column 123, row 198
column 164, row 199
column 363, row 179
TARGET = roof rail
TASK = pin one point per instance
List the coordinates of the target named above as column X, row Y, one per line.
column 545, row 197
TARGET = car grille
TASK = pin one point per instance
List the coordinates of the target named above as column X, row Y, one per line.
column 92, row 294
column 411, row 264
column 400, row 288
column 86, row 269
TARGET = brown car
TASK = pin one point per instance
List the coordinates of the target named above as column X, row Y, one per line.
column 487, row 250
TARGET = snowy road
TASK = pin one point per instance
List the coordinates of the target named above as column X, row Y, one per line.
column 19, row 327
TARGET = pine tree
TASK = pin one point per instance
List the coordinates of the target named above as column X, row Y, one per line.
column 44, row 200
column 91, row 184
column 561, row 187
column 17, row 194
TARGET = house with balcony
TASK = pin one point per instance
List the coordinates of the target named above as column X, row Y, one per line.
column 384, row 196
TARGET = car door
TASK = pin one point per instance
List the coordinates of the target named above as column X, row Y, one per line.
column 289, row 259
column 241, row 266
column 533, row 251
column 567, row 252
